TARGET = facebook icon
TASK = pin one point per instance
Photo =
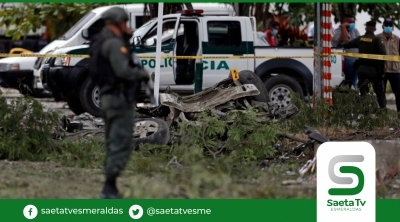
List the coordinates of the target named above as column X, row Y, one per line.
column 30, row 212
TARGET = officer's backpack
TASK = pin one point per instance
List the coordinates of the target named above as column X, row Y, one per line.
column 99, row 68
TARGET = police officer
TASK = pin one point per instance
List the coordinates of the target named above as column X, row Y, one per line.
column 112, row 68
column 370, row 70
column 392, row 71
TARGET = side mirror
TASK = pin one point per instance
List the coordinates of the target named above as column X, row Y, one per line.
column 85, row 34
column 155, row 41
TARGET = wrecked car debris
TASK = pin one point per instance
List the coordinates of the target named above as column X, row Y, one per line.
column 99, row 122
column 89, row 120
column 307, row 167
column 152, row 124
column 314, row 135
column 226, row 96
column 74, row 126
column 71, row 126
column 84, row 116
column 210, row 98
column 315, row 139
column 150, row 131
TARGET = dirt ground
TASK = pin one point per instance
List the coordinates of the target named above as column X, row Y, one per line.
column 146, row 177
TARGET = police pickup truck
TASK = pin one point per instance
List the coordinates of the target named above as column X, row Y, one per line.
column 192, row 34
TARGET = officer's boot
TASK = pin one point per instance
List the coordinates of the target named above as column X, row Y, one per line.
column 110, row 190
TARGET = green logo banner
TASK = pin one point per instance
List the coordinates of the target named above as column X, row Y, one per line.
column 173, row 210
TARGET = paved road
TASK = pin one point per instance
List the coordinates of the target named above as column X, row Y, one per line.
column 48, row 103
column 62, row 107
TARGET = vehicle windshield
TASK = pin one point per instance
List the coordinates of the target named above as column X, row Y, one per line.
column 74, row 29
column 143, row 30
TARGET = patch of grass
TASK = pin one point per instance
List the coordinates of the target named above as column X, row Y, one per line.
column 84, row 152
column 214, row 179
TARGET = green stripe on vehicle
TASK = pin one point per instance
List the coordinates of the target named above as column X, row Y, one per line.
column 81, row 51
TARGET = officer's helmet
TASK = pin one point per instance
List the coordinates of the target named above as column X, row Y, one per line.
column 115, row 15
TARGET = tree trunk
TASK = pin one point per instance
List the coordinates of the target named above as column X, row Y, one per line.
column 259, row 10
column 346, row 8
column 244, row 9
column 169, row 8
column 263, row 15
column 189, row 5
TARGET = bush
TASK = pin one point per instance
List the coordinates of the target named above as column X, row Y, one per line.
column 26, row 130
column 245, row 137
column 348, row 110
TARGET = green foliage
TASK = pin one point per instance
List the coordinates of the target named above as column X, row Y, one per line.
column 379, row 10
column 251, row 139
column 26, row 130
column 375, row 10
column 60, row 17
column 56, row 17
column 82, row 152
column 300, row 13
column 244, row 138
column 348, row 110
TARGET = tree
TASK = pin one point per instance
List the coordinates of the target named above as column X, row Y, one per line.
column 59, row 17
column 56, row 17
column 341, row 9
column 375, row 10
column 151, row 9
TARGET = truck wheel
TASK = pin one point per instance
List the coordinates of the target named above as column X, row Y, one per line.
column 280, row 87
column 90, row 97
column 74, row 105
column 57, row 96
column 249, row 77
column 148, row 130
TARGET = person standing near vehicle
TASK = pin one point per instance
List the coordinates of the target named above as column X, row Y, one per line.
column 370, row 70
column 118, row 78
column 271, row 33
column 344, row 33
column 392, row 68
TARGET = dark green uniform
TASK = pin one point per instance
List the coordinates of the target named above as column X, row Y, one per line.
column 118, row 111
column 370, row 70
column 118, row 77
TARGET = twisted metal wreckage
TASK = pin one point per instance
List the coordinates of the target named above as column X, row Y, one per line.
column 234, row 94
column 239, row 91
